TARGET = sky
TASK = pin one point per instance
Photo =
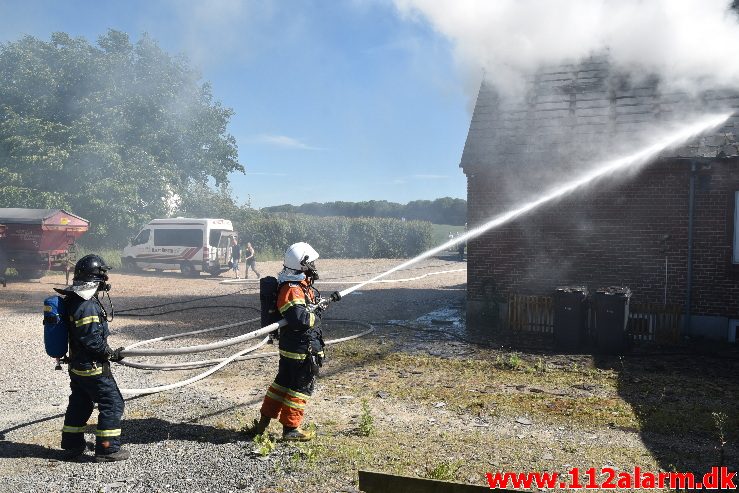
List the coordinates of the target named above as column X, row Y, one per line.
column 358, row 100
column 334, row 100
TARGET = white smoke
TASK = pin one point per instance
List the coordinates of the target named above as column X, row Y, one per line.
column 690, row 44
column 217, row 31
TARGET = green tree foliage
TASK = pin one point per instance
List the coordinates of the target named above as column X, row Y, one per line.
column 201, row 200
column 336, row 237
column 440, row 211
column 112, row 132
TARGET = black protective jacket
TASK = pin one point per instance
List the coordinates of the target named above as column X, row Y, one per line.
column 88, row 333
column 303, row 331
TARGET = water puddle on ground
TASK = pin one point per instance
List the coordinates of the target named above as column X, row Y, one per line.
column 444, row 317
column 442, row 332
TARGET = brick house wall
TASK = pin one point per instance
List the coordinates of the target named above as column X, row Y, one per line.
column 620, row 231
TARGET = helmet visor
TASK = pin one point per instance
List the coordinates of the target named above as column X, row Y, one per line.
column 309, row 268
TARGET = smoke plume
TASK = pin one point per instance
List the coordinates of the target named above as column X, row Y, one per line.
column 689, row 44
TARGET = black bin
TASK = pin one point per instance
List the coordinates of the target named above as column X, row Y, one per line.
column 570, row 317
column 611, row 318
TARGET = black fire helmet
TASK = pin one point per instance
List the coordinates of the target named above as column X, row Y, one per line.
column 91, row 268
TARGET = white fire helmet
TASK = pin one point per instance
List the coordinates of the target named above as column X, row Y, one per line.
column 300, row 256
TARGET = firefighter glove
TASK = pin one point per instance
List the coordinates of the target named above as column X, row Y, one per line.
column 116, row 355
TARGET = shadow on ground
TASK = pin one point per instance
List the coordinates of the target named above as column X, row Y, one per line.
column 683, row 397
column 685, row 404
column 143, row 431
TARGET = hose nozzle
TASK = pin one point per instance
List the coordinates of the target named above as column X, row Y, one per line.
column 335, row 296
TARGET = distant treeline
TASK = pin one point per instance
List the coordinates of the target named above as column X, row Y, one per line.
column 337, row 237
column 440, row 211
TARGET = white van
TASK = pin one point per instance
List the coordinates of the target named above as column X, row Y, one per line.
column 190, row 245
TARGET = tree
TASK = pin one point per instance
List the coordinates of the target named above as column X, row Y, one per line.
column 203, row 201
column 112, row 132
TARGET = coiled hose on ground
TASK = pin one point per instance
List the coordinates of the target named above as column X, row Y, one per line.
column 222, row 362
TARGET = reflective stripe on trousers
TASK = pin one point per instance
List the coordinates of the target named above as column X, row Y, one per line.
column 297, row 356
column 86, row 391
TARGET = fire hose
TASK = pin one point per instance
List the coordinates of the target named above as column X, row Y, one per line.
column 205, row 374
column 219, row 344
column 188, row 365
column 221, row 362
column 209, row 347
column 130, row 351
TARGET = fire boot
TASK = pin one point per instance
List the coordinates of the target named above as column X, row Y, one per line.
column 76, row 451
column 120, row 455
column 74, row 445
column 296, row 435
column 259, row 426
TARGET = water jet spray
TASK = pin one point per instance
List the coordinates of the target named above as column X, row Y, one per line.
column 605, row 169
column 608, row 168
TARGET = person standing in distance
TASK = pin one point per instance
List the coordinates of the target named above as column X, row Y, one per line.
column 251, row 261
column 236, row 257
column 90, row 378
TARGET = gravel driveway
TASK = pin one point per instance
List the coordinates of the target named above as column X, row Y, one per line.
column 187, row 439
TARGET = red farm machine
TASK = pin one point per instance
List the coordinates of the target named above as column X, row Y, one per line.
column 36, row 240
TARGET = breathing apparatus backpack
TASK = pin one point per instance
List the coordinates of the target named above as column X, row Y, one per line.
column 56, row 330
column 268, row 287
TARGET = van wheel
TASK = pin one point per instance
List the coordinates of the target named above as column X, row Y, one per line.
column 188, row 270
column 129, row 265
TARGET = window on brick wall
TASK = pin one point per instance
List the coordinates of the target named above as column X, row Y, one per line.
column 735, row 258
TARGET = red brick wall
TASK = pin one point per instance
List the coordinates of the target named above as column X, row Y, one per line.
column 618, row 232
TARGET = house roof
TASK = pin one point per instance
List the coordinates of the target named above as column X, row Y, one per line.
column 583, row 111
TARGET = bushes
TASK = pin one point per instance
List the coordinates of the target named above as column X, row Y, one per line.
column 336, row 237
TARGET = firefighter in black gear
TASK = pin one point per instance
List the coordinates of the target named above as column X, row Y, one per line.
column 301, row 345
column 89, row 365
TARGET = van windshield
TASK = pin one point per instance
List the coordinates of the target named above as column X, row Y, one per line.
column 142, row 238
column 215, row 236
column 178, row 237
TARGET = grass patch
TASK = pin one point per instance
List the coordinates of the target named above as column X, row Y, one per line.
column 453, row 456
column 511, row 383
column 590, row 406
column 307, row 453
column 497, row 386
column 264, row 444
column 444, row 471
column 366, row 421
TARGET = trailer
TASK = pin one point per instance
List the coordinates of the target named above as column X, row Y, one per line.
column 36, row 240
